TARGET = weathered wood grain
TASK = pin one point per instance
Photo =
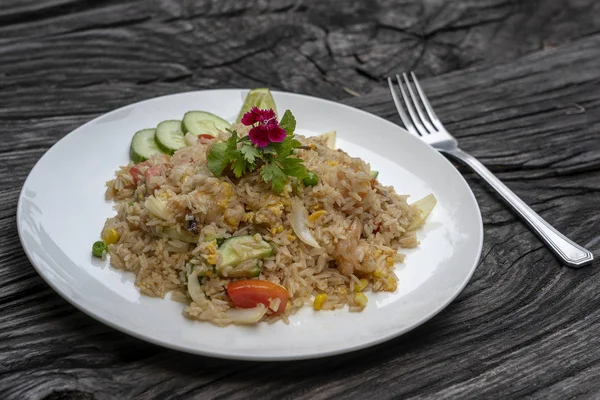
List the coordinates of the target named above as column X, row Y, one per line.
column 524, row 326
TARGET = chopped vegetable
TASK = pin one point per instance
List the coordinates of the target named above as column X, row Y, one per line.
column 319, row 300
column 136, row 172
column 190, row 139
column 251, row 292
column 202, row 122
column 299, row 222
column 361, row 300
column 98, row 249
column 423, row 208
column 157, row 207
column 330, row 138
column 246, row 316
column 237, row 251
column 172, row 233
column 195, row 289
column 374, row 174
column 111, row 236
column 169, row 137
column 358, row 287
column 204, row 138
column 151, row 172
column 143, row 145
column 311, row 179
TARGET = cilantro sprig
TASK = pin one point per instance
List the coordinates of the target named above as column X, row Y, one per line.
column 276, row 161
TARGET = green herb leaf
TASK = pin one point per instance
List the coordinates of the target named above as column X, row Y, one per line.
column 239, row 164
column 293, row 167
column 285, row 148
column 272, row 173
column 221, row 154
column 288, row 123
column 250, row 153
column 232, row 143
column 218, row 158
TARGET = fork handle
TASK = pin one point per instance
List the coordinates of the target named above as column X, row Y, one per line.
column 569, row 252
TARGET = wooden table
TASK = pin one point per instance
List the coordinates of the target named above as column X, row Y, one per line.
column 518, row 82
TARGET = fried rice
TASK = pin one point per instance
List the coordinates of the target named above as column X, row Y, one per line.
column 359, row 224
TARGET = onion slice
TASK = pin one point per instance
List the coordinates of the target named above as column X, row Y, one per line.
column 157, row 207
column 299, row 222
column 423, row 208
column 195, row 290
column 190, row 139
column 329, row 138
column 247, row 315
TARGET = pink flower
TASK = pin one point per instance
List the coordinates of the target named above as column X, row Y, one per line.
column 266, row 128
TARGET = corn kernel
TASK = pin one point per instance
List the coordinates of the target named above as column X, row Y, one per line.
column 211, row 259
column 280, row 229
column 291, row 238
column 316, row 215
column 379, row 272
column 358, row 287
column 390, row 261
column 273, row 230
column 378, row 253
column 361, row 300
column 111, row 236
column 319, row 300
column 392, row 284
column 332, row 163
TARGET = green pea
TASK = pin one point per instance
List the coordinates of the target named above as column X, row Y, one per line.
column 311, row 180
column 98, row 248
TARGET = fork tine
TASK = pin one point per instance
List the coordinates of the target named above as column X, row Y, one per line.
column 405, row 119
column 415, row 119
column 432, row 115
column 417, row 105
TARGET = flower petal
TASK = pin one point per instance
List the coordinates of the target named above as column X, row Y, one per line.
column 276, row 134
column 268, row 115
column 252, row 116
column 259, row 135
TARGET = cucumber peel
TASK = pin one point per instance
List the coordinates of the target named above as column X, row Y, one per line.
column 169, row 137
column 202, row 122
column 143, row 145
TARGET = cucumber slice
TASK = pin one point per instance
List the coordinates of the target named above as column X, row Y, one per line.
column 169, row 137
column 143, row 146
column 240, row 271
column 238, row 250
column 261, row 98
column 202, row 122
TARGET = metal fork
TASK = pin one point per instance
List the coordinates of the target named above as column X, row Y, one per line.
column 422, row 122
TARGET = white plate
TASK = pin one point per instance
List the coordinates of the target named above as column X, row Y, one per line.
column 62, row 210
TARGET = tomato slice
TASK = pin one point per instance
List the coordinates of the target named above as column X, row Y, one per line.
column 205, row 138
column 155, row 170
column 136, row 172
column 251, row 292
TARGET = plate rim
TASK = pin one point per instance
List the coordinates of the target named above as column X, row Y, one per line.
column 232, row 356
